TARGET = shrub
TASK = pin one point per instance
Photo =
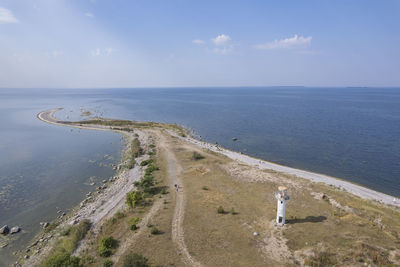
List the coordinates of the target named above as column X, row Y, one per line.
column 106, row 245
column 197, row 156
column 164, row 191
column 233, row 212
column 62, row 260
column 220, row 210
column 134, row 197
column 154, row 231
column 108, row 263
column 146, row 162
column 133, row 223
column 135, row 260
column 204, row 187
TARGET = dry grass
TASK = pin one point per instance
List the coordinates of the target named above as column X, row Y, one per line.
column 340, row 229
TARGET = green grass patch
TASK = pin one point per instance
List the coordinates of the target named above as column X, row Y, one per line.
column 60, row 255
column 107, row 246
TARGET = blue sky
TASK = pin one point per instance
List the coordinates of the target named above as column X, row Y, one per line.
column 150, row 43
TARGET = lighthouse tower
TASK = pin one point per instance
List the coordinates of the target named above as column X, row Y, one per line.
column 281, row 197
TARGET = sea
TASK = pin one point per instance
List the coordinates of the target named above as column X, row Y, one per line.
column 349, row 133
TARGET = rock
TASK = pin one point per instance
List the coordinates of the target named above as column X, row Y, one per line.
column 73, row 222
column 15, row 230
column 26, row 257
column 45, row 225
column 92, row 184
column 234, row 139
column 4, row 230
column 255, row 234
column 4, row 245
column 104, row 181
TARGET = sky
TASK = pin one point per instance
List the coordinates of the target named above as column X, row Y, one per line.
column 189, row 43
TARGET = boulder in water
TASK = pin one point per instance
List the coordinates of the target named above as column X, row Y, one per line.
column 4, row 230
column 15, row 230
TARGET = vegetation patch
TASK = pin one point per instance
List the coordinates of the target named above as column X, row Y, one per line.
column 133, row 223
column 135, row 152
column 108, row 263
column 135, row 260
column 60, row 255
column 197, row 156
column 107, row 245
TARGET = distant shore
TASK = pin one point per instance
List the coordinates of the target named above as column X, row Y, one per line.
column 358, row 190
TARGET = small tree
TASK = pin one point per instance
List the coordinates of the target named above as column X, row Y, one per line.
column 134, row 197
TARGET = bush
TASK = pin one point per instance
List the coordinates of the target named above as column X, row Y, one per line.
column 106, row 245
column 133, row 223
column 233, row 212
column 154, row 231
column 204, row 188
column 62, row 260
column 164, row 191
column 134, row 197
column 146, row 162
column 135, row 260
column 108, row 263
column 197, row 156
column 220, row 210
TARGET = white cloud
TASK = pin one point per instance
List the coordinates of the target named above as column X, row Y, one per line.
column 89, row 15
column 95, row 52
column 6, row 16
column 108, row 51
column 55, row 53
column 99, row 52
column 293, row 42
column 221, row 39
column 224, row 50
column 198, row 42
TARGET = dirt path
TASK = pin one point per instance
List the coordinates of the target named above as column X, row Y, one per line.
column 173, row 170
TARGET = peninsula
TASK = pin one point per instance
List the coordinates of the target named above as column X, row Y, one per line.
column 178, row 201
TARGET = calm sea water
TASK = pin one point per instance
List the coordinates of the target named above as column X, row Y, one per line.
column 350, row 133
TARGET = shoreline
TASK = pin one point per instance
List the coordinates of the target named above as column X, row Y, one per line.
column 103, row 204
column 355, row 189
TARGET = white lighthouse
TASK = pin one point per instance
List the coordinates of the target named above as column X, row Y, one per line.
column 281, row 197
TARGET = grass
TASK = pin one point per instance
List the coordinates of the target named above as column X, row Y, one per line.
column 214, row 240
column 135, row 260
column 60, row 255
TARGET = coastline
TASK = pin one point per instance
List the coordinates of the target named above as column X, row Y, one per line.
column 355, row 189
column 103, row 204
